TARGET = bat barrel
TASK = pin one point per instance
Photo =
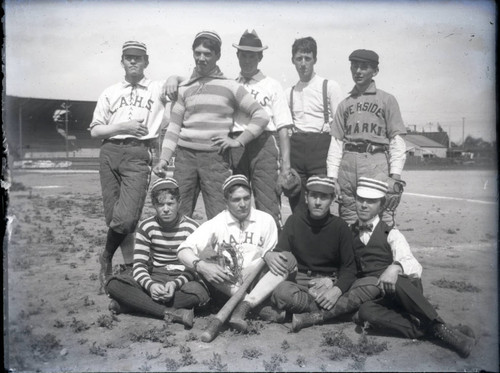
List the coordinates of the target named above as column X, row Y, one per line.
column 212, row 330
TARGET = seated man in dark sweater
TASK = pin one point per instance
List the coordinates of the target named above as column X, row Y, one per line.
column 383, row 252
column 325, row 285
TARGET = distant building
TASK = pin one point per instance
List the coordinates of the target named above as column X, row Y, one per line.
column 440, row 137
column 418, row 145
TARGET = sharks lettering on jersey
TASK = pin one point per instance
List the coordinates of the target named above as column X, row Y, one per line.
column 372, row 128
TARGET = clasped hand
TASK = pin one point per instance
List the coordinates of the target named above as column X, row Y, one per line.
column 163, row 293
column 324, row 292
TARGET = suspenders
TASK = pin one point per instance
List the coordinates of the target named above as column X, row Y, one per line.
column 325, row 101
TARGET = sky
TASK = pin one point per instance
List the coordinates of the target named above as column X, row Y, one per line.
column 436, row 57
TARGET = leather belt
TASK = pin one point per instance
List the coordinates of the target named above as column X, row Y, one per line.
column 132, row 141
column 310, row 273
column 365, row 148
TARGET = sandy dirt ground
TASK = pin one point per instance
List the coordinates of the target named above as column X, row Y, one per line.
column 55, row 320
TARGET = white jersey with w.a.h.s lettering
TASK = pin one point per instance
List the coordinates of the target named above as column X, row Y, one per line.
column 252, row 237
column 123, row 102
column 372, row 116
column 269, row 94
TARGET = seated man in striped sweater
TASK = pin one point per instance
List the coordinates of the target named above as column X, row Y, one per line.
column 160, row 286
column 200, row 122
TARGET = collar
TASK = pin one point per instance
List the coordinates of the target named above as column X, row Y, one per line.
column 373, row 221
column 143, row 83
column 214, row 74
column 171, row 225
column 371, row 90
column 257, row 77
column 304, row 84
column 231, row 220
column 316, row 222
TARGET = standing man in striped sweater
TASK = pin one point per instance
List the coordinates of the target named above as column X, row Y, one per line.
column 160, row 286
column 199, row 125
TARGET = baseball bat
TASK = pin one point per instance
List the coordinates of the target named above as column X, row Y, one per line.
column 216, row 322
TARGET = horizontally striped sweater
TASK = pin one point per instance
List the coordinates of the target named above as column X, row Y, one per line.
column 204, row 109
column 157, row 246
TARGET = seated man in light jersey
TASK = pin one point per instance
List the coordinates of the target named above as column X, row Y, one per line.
column 225, row 249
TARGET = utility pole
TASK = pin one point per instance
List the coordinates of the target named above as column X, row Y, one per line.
column 66, row 106
column 463, row 133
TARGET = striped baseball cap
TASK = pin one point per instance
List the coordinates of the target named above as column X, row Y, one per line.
column 134, row 48
column 321, row 183
column 235, row 180
column 212, row 35
column 371, row 188
column 164, row 183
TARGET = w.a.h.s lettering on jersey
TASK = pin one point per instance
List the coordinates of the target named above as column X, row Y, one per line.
column 246, row 238
column 137, row 101
column 258, row 96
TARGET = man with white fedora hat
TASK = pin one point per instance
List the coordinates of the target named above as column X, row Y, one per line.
column 383, row 252
column 262, row 159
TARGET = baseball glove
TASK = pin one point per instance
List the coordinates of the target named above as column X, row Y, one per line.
column 288, row 184
column 396, row 188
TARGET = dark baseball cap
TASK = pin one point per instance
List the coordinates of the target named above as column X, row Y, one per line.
column 364, row 55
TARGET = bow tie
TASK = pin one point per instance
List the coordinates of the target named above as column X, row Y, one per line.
column 366, row 227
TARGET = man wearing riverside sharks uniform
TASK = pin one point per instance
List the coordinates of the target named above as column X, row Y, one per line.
column 127, row 117
column 366, row 139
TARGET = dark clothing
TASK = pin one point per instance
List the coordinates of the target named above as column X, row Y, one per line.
column 323, row 247
column 407, row 312
column 134, row 299
column 393, row 313
column 308, row 151
column 259, row 161
column 373, row 258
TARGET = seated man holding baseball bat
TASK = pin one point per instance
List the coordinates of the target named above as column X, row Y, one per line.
column 160, row 287
column 231, row 249
column 325, row 286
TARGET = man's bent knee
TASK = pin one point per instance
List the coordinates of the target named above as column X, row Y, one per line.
column 197, row 289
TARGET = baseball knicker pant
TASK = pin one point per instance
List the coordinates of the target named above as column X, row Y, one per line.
column 259, row 162
column 353, row 166
column 308, row 153
column 125, row 172
column 203, row 171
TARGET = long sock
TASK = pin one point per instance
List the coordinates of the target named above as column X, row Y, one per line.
column 134, row 299
column 264, row 288
column 351, row 301
column 127, row 247
column 113, row 241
